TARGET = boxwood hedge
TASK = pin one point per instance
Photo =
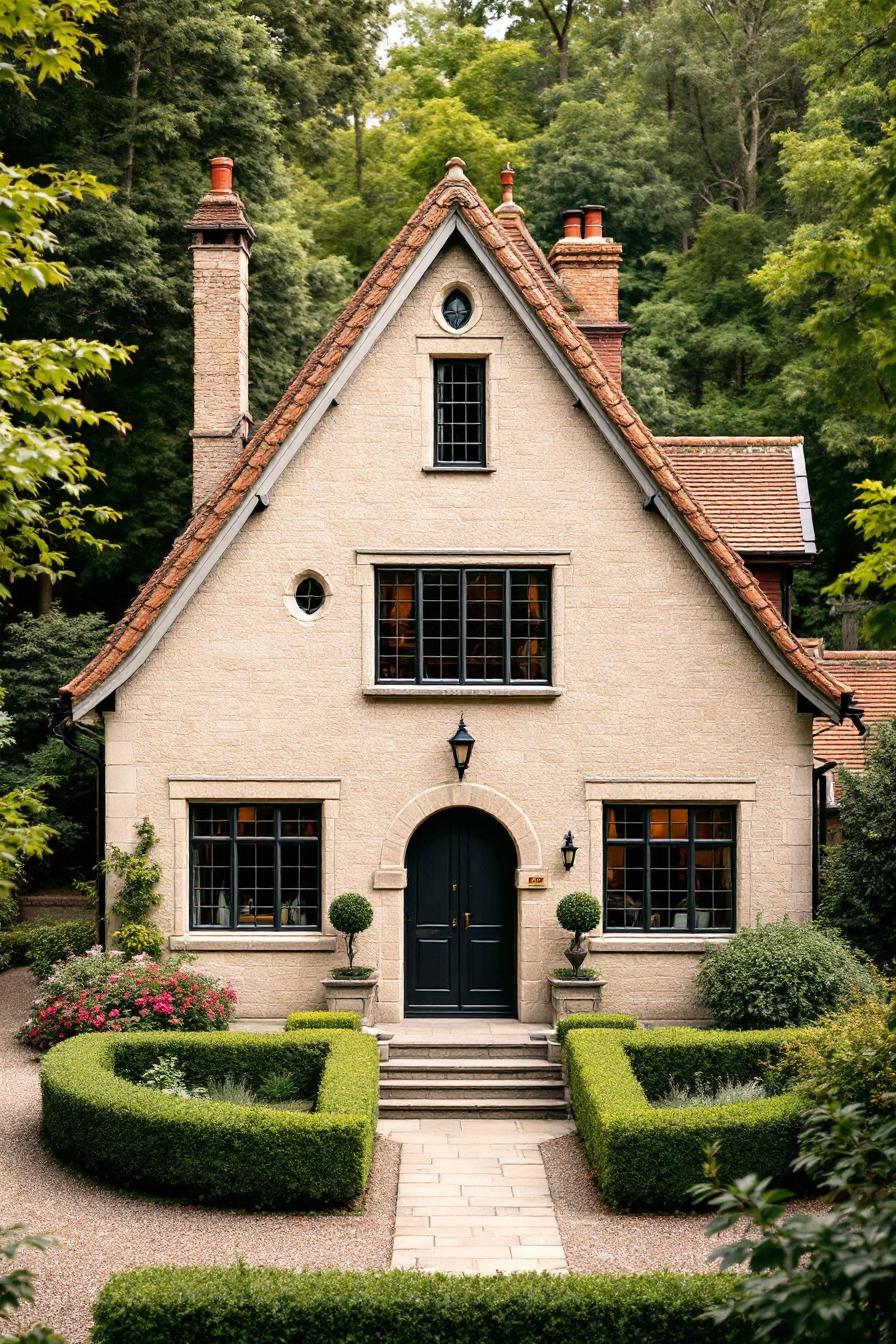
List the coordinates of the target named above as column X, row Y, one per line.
column 320, row 1020
column 96, row 1115
column 606, row 1021
column 245, row 1305
column 648, row 1158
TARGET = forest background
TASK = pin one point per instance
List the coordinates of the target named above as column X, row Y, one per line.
column 744, row 150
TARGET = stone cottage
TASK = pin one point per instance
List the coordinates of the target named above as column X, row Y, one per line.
column 454, row 511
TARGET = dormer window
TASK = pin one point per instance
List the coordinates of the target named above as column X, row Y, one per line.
column 460, row 412
column 457, row 309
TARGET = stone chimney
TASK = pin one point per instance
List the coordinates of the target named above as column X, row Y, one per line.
column 222, row 242
column 587, row 266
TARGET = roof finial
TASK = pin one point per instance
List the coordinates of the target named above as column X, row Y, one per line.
column 507, row 176
column 455, row 168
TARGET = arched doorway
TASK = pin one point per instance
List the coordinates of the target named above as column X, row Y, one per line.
column 460, row 917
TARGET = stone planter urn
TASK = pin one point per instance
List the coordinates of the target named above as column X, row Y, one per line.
column 353, row 996
column 574, row 996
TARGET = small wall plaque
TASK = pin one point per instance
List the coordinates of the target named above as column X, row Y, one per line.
column 537, row 880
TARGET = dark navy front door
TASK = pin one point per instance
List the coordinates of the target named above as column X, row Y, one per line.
column 460, row 917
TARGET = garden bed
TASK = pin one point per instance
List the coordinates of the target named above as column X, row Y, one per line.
column 98, row 1115
column 648, row 1157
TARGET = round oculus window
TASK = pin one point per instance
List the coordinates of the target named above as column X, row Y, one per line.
column 310, row 595
column 457, row 309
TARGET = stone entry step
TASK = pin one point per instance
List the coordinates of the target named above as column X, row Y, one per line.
column 469, row 1107
column 472, row 1079
column 469, row 1068
column 447, row 1089
column 404, row 1049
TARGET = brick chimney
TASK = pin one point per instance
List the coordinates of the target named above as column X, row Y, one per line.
column 587, row 266
column 222, row 242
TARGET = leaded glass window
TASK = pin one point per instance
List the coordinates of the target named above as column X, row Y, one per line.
column 463, row 625
column 255, row 866
column 669, row 868
column 460, row 412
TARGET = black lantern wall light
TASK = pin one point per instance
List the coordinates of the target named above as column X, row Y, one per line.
column 461, row 743
column 569, row 851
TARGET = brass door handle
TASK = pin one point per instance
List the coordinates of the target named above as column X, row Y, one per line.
column 454, row 921
column 466, row 919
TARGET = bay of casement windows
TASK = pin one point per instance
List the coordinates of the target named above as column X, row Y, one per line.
column 463, row 625
column 255, row 866
column 669, row 868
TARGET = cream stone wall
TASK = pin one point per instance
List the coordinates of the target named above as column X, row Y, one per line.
column 661, row 695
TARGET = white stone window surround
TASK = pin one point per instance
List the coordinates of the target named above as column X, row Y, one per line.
column 600, row 791
column 182, row 791
column 458, row 345
column 367, row 562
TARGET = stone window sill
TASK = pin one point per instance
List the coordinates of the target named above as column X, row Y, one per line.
column 252, row 942
column 686, row 942
column 449, row 470
column 463, row 692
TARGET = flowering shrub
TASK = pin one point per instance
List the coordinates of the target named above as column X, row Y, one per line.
column 101, row 991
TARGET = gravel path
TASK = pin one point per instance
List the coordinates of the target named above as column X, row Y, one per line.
column 101, row 1231
column 597, row 1240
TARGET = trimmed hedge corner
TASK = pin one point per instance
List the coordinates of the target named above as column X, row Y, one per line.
column 610, row 1021
column 269, row 1306
column 323, row 1021
column 648, row 1158
column 96, row 1115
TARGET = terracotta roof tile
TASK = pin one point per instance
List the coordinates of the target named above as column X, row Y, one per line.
column 872, row 675
column 534, row 287
column 748, row 486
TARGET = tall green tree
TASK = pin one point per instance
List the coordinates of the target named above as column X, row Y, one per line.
column 178, row 81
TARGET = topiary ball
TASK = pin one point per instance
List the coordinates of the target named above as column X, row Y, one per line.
column 578, row 912
column 351, row 913
column 781, row 975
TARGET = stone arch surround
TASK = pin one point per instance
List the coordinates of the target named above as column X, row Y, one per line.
column 392, row 873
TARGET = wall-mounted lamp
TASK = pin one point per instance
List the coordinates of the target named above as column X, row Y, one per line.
column 461, row 743
column 569, row 851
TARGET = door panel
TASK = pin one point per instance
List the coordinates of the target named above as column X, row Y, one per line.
column 460, row 916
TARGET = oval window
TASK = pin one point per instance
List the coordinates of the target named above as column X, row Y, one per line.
column 310, row 595
column 457, row 309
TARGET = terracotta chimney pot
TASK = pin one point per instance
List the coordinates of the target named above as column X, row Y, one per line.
column 507, row 176
column 594, row 221
column 222, row 174
column 572, row 223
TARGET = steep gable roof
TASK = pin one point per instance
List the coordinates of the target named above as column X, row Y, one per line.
column 452, row 205
column 754, row 490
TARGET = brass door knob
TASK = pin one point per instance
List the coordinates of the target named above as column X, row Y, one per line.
column 454, row 921
column 466, row 919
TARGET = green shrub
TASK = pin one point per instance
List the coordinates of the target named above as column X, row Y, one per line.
column 276, row 1087
column 140, row 940
column 613, row 1021
column 647, row 1157
column 781, row 975
column 322, row 1021
column 41, row 944
column 54, row 942
column 246, row 1305
column 350, row 914
column 850, row 1059
column 98, row 1116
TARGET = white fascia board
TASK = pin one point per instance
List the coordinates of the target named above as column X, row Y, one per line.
column 453, row 223
column 801, row 480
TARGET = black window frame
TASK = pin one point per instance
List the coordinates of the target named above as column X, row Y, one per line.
column 233, row 841
column 648, row 842
column 507, row 571
column 438, row 457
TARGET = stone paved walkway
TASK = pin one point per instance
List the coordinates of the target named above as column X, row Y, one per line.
column 473, row 1196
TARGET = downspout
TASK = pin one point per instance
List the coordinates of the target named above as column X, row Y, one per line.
column 92, row 747
column 819, row 825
